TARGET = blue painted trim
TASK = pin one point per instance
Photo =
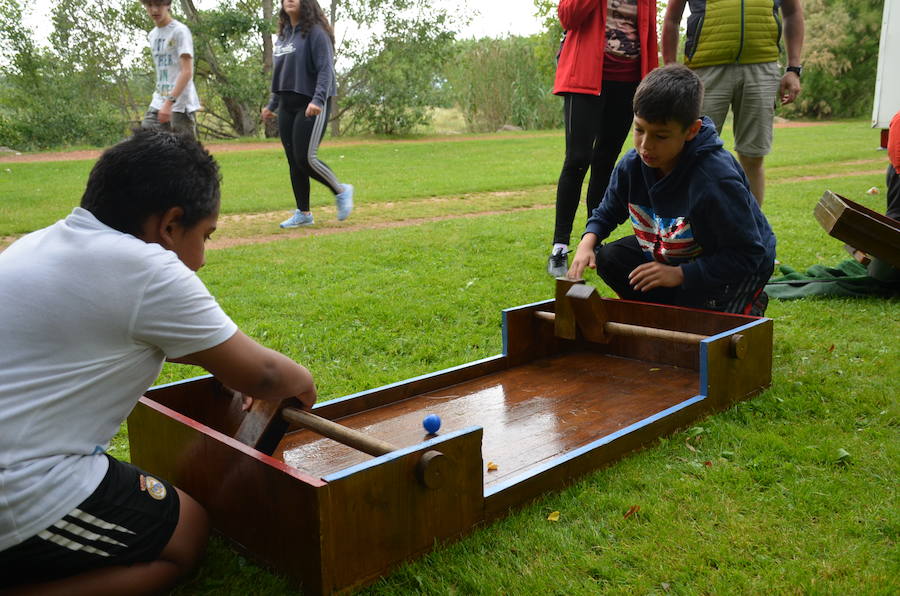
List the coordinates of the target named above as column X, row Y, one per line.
column 399, row 453
column 704, row 351
column 181, row 382
column 584, row 449
column 404, row 382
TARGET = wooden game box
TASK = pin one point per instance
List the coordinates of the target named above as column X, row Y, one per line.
column 581, row 382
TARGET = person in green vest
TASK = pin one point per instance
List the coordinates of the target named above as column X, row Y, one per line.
column 733, row 46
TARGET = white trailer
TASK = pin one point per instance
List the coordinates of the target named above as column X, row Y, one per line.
column 887, row 81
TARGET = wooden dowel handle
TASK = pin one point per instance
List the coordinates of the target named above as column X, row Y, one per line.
column 626, row 329
column 337, row 432
column 682, row 337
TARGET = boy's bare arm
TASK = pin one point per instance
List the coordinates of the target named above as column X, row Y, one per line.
column 245, row 366
column 184, row 77
column 671, row 25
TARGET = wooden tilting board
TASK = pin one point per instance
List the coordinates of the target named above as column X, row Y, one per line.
column 549, row 409
column 860, row 227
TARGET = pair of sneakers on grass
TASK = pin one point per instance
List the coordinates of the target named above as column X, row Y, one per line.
column 343, row 201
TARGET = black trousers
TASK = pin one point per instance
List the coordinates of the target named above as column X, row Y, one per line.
column 879, row 269
column 616, row 260
column 300, row 137
column 596, row 129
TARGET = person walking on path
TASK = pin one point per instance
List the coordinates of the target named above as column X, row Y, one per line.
column 175, row 97
column 733, row 46
column 609, row 46
column 302, row 84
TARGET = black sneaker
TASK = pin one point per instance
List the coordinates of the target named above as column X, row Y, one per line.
column 558, row 263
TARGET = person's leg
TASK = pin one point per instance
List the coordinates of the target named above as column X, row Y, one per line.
column 616, row 260
column 582, row 119
column 754, row 116
column 754, row 168
column 288, row 114
column 893, row 193
column 181, row 555
column 307, row 134
column 184, row 124
column 615, row 121
column 151, row 120
column 718, row 92
column 134, row 535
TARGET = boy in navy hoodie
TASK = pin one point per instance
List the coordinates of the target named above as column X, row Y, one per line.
column 700, row 239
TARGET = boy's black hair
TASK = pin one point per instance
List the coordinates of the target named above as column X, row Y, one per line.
column 149, row 2
column 148, row 174
column 672, row 92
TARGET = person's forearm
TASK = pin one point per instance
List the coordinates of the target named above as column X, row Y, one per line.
column 281, row 377
column 184, row 77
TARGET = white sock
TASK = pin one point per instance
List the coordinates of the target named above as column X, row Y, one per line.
column 557, row 247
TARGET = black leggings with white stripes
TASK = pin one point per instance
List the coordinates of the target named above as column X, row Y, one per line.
column 301, row 137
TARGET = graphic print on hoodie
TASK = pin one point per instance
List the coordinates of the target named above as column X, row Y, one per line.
column 667, row 240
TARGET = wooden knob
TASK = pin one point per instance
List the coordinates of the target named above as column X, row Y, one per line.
column 431, row 469
column 737, row 346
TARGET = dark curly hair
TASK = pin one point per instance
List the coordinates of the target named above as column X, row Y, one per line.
column 310, row 14
column 148, row 174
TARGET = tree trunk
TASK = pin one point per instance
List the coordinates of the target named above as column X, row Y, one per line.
column 243, row 123
column 335, row 112
column 271, row 125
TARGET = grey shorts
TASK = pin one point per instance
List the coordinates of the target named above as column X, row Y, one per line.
column 751, row 91
column 180, row 123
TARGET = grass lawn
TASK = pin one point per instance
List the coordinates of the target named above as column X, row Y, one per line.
column 794, row 491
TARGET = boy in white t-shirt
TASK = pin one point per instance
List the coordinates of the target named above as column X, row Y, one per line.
column 175, row 97
column 90, row 307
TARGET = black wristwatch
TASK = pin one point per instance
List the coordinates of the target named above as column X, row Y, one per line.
column 798, row 70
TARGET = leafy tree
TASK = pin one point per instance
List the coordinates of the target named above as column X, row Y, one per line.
column 501, row 82
column 840, row 58
column 71, row 93
column 387, row 80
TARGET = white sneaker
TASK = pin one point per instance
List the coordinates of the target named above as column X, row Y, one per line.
column 344, row 202
column 297, row 219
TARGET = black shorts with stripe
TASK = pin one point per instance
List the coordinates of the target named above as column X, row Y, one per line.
column 129, row 518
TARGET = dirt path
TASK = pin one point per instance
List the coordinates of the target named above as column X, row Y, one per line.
column 11, row 156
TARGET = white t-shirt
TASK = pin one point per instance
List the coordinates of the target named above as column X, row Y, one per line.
column 167, row 45
column 87, row 316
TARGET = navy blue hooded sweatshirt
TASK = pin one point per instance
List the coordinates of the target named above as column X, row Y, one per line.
column 701, row 216
column 304, row 65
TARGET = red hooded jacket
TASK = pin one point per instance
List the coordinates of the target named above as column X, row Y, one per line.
column 580, row 66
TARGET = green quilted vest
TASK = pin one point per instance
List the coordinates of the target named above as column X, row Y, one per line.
column 729, row 31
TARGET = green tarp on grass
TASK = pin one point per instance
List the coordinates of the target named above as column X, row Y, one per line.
column 846, row 279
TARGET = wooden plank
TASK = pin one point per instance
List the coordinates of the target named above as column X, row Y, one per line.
column 860, row 227
column 564, row 470
column 387, row 394
column 564, row 324
column 381, row 515
column 270, row 512
column 530, row 414
column 726, row 379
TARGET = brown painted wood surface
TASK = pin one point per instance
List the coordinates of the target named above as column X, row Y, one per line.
column 271, row 512
column 860, row 227
column 530, row 414
column 381, row 515
column 539, row 405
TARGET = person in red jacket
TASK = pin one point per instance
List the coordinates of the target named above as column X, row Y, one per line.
column 893, row 171
column 609, row 46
